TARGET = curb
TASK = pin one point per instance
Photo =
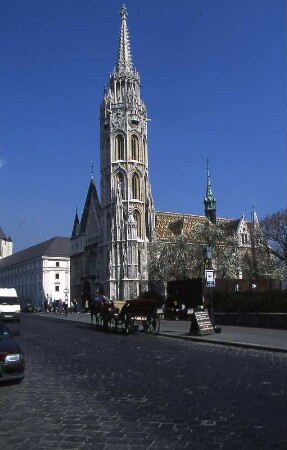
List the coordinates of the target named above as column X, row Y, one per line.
column 188, row 337
column 268, row 348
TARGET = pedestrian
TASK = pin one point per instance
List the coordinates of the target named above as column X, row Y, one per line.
column 75, row 303
column 66, row 308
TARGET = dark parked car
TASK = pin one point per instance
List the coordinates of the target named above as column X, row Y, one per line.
column 30, row 308
column 12, row 361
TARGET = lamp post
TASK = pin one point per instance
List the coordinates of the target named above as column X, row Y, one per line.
column 210, row 283
column 66, row 291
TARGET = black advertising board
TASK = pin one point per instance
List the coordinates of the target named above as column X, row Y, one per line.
column 200, row 323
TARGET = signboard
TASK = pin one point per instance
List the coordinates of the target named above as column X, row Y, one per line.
column 200, row 323
column 209, row 277
column 119, row 304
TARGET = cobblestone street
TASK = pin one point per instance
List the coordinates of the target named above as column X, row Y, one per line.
column 85, row 389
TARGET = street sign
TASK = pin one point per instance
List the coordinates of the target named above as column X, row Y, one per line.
column 209, row 277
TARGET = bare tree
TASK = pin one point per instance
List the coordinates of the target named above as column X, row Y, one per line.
column 274, row 230
column 183, row 256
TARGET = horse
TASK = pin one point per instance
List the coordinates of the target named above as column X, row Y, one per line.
column 96, row 307
column 103, row 309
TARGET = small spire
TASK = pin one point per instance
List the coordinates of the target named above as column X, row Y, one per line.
column 209, row 199
column 254, row 214
column 124, row 62
column 209, row 194
column 76, row 224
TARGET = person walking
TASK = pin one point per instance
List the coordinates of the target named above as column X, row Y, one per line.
column 66, row 308
column 75, row 303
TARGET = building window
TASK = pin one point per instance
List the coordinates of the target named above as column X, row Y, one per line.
column 139, row 262
column 144, row 151
column 120, row 147
column 57, row 288
column 244, row 239
column 135, row 186
column 135, row 147
column 57, row 276
column 137, row 218
column 57, row 264
column 92, row 262
column 121, row 184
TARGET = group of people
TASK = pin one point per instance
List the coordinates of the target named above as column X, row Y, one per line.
column 62, row 307
column 56, row 306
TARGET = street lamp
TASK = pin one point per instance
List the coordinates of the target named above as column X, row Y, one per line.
column 210, row 282
column 208, row 255
column 66, row 291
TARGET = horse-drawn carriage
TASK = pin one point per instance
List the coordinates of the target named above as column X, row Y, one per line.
column 134, row 315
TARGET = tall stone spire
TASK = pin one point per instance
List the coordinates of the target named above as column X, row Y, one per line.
column 124, row 63
column 209, row 199
column 126, row 199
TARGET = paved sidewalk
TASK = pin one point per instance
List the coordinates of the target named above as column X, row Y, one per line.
column 257, row 338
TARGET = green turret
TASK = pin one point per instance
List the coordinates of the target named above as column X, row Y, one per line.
column 209, row 200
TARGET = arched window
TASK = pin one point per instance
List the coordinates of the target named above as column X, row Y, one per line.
column 120, row 147
column 139, row 261
column 144, row 151
column 121, row 184
column 135, row 186
column 92, row 262
column 137, row 218
column 135, row 147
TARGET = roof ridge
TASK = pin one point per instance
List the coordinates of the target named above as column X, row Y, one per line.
column 55, row 246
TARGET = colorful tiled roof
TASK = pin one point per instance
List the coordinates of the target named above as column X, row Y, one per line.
column 169, row 224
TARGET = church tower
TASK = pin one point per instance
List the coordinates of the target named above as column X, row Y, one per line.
column 126, row 199
column 209, row 200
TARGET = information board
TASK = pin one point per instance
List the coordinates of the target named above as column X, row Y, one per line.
column 200, row 323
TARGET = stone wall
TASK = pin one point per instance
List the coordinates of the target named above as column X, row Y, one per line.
column 260, row 320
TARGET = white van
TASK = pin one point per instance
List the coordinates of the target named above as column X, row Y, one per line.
column 9, row 304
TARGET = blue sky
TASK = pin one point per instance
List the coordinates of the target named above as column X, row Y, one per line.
column 213, row 76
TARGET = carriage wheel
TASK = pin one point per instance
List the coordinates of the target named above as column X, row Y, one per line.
column 126, row 329
column 154, row 324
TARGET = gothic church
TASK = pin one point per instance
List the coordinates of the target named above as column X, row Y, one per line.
column 110, row 241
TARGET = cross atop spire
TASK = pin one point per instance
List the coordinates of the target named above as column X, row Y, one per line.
column 124, row 62
column 92, row 170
